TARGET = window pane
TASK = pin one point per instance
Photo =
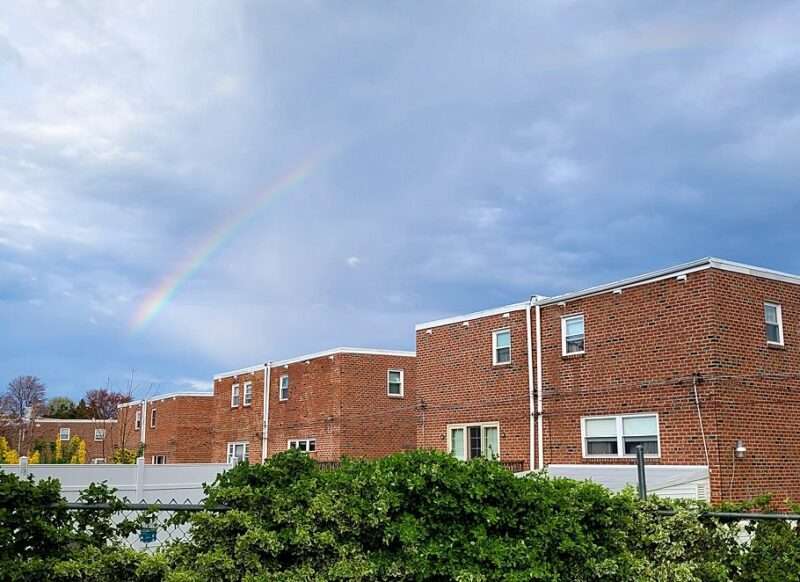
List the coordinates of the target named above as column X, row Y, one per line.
column 503, row 339
column 639, row 425
column 574, row 326
column 475, row 448
column 601, row 446
column 292, row 444
column 302, row 445
column 457, row 443
column 394, row 377
column 312, row 446
column 491, row 443
column 601, row 427
column 771, row 314
column 773, row 333
column 574, row 345
column 503, row 355
column 650, row 445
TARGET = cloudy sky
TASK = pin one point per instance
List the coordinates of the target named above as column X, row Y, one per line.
column 192, row 187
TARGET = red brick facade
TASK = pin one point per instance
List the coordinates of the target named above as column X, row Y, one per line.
column 651, row 346
column 337, row 398
column 179, row 433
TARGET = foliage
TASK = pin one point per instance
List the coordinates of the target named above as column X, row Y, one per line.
column 24, row 398
column 59, row 452
column 35, row 458
column 103, row 403
column 60, row 407
column 7, row 454
column 127, row 456
column 418, row 516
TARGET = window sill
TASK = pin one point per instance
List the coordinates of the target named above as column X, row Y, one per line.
column 501, row 365
column 400, row 396
column 246, row 405
column 572, row 355
column 775, row 346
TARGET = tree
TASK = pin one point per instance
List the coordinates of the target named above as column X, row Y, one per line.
column 103, row 403
column 22, row 401
column 60, row 407
column 81, row 410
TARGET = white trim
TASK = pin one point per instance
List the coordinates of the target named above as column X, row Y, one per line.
column 280, row 387
column 61, row 433
column 265, row 429
column 137, row 420
column 465, row 426
column 75, row 420
column 470, row 316
column 245, row 386
column 779, row 315
column 153, row 418
column 495, row 333
column 181, row 395
column 402, row 383
column 236, row 396
column 564, row 319
column 154, row 457
column 101, row 439
column 234, row 444
column 531, row 402
column 539, row 389
column 312, row 356
column 619, row 435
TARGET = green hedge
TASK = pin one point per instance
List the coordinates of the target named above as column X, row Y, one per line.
column 413, row 516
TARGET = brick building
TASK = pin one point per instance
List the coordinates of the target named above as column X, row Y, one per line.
column 345, row 401
column 102, row 437
column 174, row 428
column 693, row 362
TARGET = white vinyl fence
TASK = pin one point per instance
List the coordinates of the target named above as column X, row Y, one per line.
column 138, row 483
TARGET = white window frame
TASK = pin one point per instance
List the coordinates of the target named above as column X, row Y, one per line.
column 465, row 426
column 137, row 423
column 98, row 461
column 153, row 418
column 564, row 320
column 297, row 442
column 232, row 451
column 102, row 432
column 235, row 396
column 402, row 392
column 61, row 433
column 779, row 315
column 247, row 394
column 154, row 460
column 620, row 436
column 495, row 348
column 281, row 397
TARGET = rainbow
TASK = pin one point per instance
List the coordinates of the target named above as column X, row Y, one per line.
column 155, row 301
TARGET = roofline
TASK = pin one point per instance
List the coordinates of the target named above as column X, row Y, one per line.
column 165, row 396
column 314, row 355
column 78, row 420
column 675, row 271
column 474, row 315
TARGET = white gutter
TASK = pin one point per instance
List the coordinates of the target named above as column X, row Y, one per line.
column 532, row 415
column 265, row 428
column 539, row 384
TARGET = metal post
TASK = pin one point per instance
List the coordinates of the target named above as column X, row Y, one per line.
column 640, row 472
column 140, row 479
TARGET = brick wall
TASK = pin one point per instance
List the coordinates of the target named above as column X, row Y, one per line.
column 457, row 383
column 237, row 424
column 49, row 431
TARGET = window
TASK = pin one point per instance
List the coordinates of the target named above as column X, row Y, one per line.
column 63, row 434
column 501, row 347
column 395, row 383
column 98, row 461
column 234, row 396
column 304, row 445
column 99, row 434
column 283, row 393
column 237, row 452
column 153, row 418
column 774, row 320
column 618, row 436
column 248, row 393
column 138, row 422
column 159, row 459
column 572, row 338
column 470, row 441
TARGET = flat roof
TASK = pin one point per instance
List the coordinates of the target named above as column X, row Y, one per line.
column 674, row 271
column 166, row 396
column 314, row 355
column 74, row 420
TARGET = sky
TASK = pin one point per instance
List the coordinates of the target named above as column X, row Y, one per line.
column 193, row 187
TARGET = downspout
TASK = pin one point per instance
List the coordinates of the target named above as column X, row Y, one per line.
column 532, row 415
column 539, row 384
column 265, row 428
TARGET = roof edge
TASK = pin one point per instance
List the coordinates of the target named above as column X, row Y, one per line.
column 474, row 315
